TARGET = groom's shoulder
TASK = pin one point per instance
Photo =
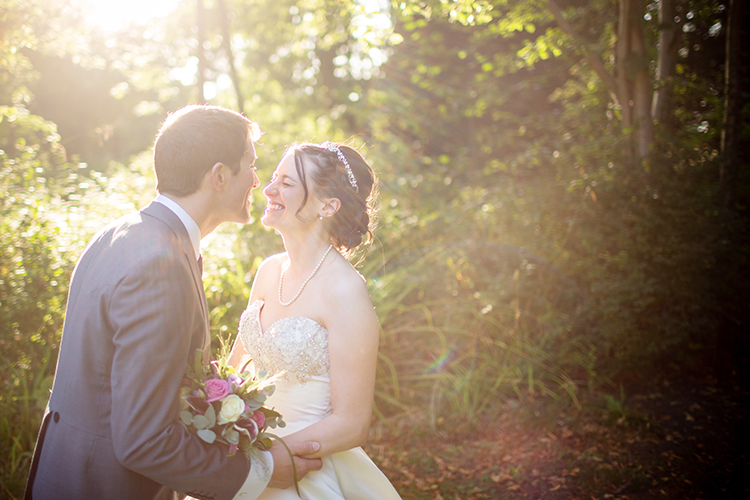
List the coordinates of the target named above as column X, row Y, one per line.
column 152, row 215
column 136, row 234
column 134, row 225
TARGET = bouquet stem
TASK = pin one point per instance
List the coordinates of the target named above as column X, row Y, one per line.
column 291, row 457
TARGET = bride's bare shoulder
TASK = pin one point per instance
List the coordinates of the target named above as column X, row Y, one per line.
column 266, row 275
column 348, row 283
column 271, row 265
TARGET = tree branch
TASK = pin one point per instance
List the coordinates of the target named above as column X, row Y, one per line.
column 595, row 62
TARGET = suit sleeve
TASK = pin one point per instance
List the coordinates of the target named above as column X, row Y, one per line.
column 155, row 312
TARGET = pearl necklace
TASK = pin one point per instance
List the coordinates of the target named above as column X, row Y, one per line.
column 284, row 268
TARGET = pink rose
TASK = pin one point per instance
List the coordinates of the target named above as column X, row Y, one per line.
column 259, row 417
column 216, row 389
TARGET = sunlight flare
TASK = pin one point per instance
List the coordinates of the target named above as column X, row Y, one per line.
column 114, row 15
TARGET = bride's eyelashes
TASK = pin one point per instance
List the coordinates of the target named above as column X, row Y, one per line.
column 284, row 182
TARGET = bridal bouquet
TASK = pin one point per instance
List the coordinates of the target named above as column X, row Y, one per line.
column 221, row 405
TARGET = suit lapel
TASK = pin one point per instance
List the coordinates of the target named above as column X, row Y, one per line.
column 164, row 214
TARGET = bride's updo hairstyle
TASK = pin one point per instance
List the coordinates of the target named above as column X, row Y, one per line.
column 329, row 176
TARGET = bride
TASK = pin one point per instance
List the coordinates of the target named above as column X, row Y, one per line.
column 310, row 315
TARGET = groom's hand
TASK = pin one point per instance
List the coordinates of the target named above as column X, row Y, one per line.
column 283, row 476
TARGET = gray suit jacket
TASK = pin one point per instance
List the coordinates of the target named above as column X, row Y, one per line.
column 136, row 313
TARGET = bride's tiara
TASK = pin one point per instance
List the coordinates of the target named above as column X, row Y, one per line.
column 334, row 148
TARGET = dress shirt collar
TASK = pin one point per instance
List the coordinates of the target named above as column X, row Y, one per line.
column 192, row 228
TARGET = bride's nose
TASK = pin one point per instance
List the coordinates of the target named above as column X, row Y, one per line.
column 270, row 188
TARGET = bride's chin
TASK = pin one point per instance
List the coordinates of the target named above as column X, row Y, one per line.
column 267, row 221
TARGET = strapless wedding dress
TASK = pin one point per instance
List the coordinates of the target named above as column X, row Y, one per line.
column 299, row 346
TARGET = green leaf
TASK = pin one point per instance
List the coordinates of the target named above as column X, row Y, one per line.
column 186, row 417
column 253, row 404
column 270, row 413
column 207, row 435
column 265, row 440
column 211, row 416
column 201, row 422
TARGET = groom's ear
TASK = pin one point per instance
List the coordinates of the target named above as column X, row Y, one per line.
column 218, row 176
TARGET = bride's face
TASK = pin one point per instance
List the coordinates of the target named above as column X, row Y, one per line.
column 285, row 194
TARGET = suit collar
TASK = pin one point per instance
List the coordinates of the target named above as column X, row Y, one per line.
column 192, row 227
column 164, row 214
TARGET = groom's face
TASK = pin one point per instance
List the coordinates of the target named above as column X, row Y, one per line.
column 241, row 187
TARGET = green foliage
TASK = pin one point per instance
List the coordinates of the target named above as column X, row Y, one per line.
column 515, row 149
column 32, row 273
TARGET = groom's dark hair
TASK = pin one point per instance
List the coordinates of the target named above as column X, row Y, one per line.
column 193, row 139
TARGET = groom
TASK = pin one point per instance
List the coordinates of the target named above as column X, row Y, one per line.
column 136, row 313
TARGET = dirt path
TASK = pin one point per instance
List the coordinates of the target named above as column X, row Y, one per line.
column 668, row 441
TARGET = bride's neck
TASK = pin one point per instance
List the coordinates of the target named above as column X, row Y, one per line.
column 305, row 251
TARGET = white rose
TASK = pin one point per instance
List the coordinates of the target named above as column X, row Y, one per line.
column 232, row 407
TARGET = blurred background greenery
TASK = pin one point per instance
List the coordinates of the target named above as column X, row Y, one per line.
column 564, row 195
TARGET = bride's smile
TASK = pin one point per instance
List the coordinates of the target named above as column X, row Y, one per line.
column 286, row 198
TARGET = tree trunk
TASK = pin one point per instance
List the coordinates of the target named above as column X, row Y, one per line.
column 662, row 107
column 622, row 50
column 642, row 92
column 631, row 89
column 227, row 47
column 200, row 53
column 732, row 104
column 633, row 80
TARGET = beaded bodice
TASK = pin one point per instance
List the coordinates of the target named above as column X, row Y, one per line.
column 295, row 344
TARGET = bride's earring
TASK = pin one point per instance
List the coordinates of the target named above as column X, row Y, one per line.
column 320, row 217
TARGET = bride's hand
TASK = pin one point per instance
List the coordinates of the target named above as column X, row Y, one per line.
column 283, row 477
